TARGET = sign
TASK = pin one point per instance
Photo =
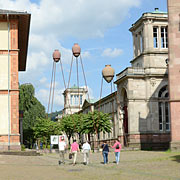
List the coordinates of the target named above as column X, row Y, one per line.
column 54, row 139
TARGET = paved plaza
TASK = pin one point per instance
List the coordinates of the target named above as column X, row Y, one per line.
column 140, row 165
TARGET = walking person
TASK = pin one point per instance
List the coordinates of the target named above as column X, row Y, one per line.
column 105, row 151
column 74, row 150
column 117, row 146
column 86, row 151
column 62, row 148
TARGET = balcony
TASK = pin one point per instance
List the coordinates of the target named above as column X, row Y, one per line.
column 130, row 71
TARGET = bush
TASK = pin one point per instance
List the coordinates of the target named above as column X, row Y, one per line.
column 23, row 147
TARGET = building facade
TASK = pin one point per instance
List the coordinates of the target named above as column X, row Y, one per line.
column 143, row 87
column 108, row 105
column 141, row 116
column 73, row 99
column 14, row 34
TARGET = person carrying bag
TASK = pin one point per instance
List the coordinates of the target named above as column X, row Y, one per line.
column 117, row 148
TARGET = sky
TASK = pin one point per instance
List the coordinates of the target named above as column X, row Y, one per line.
column 100, row 27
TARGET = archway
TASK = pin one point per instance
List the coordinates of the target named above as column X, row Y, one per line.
column 124, row 106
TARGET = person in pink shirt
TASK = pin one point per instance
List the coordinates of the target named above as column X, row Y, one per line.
column 74, row 150
column 117, row 146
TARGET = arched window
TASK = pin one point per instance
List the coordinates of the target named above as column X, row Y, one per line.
column 164, row 118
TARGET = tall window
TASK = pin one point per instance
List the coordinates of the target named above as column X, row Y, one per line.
column 71, row 99
column 75, row 100
column 164, row 119
column 155, row 37
column 141, row 42
column 80, row 99
column 164, row 37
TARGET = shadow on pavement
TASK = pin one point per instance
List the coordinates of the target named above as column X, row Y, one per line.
column 176, row 158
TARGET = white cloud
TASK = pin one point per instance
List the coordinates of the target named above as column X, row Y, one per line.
column 55, row 20
column 80, row 18
column 37, row 60
column 112, row 53
column 43, row 80
column 86, row 55
column 43, row 97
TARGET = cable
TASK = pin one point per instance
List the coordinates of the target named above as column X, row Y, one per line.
column 52, row 76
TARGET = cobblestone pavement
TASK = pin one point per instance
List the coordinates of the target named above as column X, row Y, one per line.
column 134, row 165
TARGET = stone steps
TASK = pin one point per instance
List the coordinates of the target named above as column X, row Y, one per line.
column 20, row 153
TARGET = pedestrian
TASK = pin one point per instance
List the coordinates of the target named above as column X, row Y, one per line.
column 105, row 151
column 41, row 145
column 117, row 148
column 86, row 148
column 62, row 148
column 74, row 150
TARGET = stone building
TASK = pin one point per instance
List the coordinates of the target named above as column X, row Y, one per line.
column 73, row 99
column 143, row 87
column 108, row 105
column 14, row 34
column 141, row 110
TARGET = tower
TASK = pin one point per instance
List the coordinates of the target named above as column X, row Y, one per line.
column 73, row 99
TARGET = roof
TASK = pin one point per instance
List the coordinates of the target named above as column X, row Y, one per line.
column 91, row 100
column 4, row 11
column 156, row 11
column 156, row 14
column 23, row 34
column 74, row 87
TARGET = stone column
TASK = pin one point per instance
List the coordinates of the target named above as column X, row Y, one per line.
column 174, row 70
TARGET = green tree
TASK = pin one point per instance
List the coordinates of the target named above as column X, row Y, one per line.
column 32, row 109
column 69, row 125
column 96, row 122
column 44, row 128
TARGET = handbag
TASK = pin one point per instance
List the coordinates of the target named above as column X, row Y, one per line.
column 117, row 146
column 70, row 155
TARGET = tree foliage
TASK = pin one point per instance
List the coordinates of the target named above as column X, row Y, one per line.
column 96, row 122
column 30, row 105
column 44, row 128
column 91, row 123
column 32, row 110
column 68, row 125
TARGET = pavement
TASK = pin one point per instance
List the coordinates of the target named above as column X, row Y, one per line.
column 134, row 165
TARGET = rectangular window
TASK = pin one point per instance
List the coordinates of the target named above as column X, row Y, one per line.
column 71, row 99
column 76, row 102
column 141, row 42
column 155, row 37
column 160, row 116
column 164, row 37
column 167, row 116
column 80, row 99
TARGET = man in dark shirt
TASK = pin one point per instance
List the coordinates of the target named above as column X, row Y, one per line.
column 105, row 152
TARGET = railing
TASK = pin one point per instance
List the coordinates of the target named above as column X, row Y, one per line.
column 131, row 71
column 142, row 71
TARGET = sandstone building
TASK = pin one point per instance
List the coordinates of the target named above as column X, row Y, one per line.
column 143, row 87
column 141, row 116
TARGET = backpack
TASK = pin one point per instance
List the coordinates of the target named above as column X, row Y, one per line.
column 117, row 146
